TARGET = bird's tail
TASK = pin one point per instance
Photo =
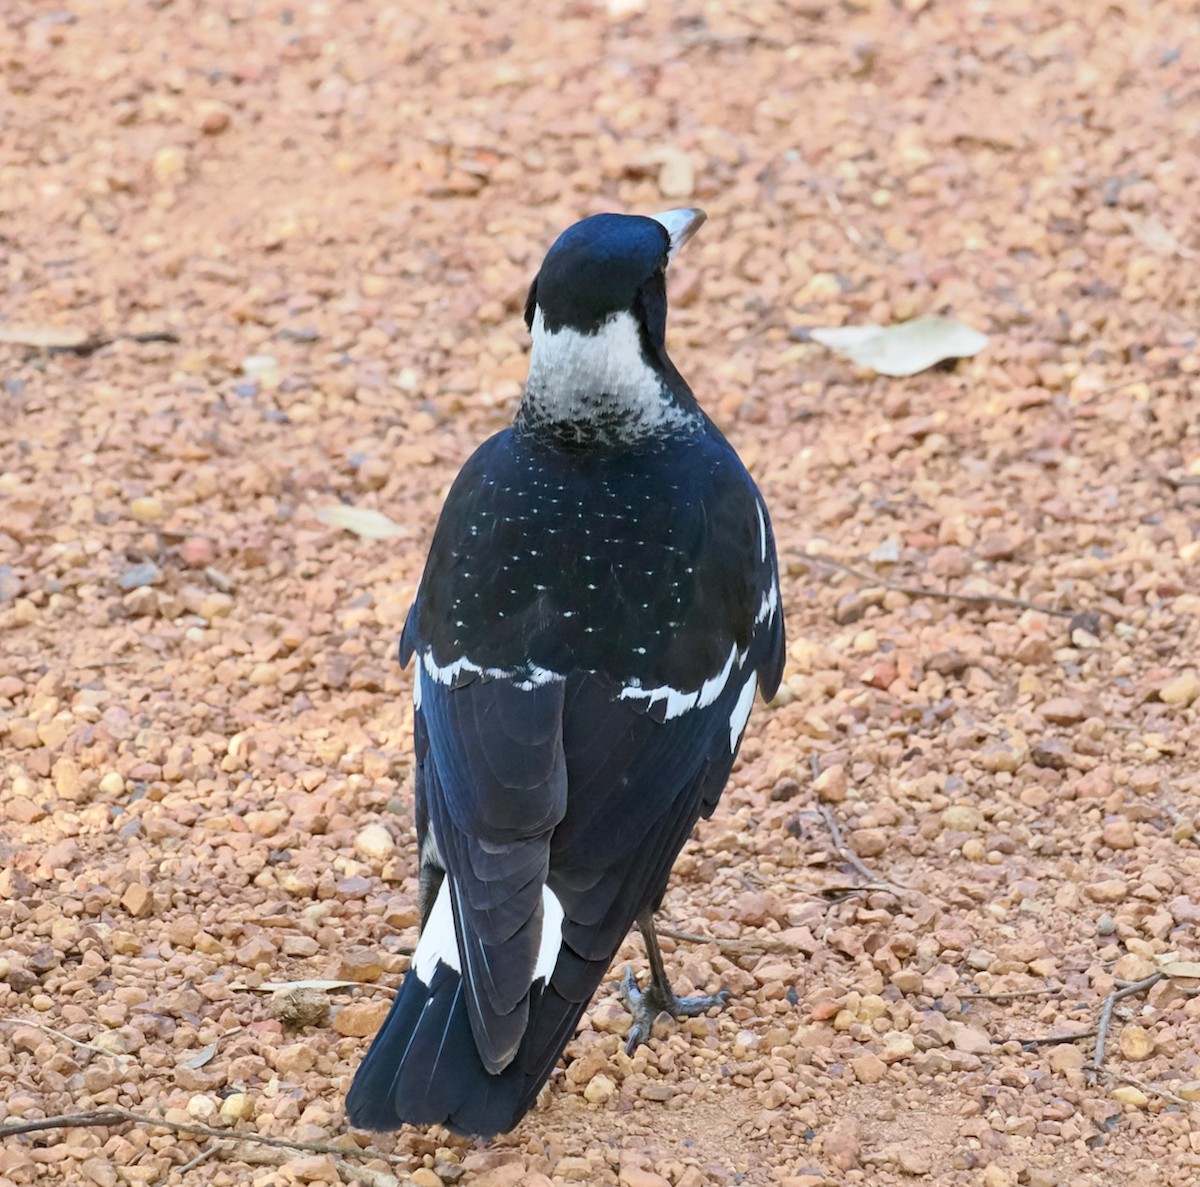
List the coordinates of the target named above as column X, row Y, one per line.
column 424, row 1069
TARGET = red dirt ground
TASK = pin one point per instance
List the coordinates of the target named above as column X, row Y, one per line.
column 964, row 822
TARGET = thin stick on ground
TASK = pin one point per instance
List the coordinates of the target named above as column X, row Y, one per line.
column 1015, row 994
column 66, row 1038
column 1110, row 1002
column 847, row 854
column 839, row 894
column 102, row 1118
column 1053, row 1040
column 732, row 947
column 845, row 225
column 940, row 595
column 1144, row 1085
column 203, row 1156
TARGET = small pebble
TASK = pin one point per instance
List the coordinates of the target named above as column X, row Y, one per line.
column 1063, row 710
column 1182, row 690
column 136, row 576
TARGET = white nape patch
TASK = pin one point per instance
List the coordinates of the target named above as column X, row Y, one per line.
column 525, row 679
column 762, row 531
column 678, row 703
column 552, row 927
column 601, row 378
column 741, row 712
column 438, row 943
column 769, row 604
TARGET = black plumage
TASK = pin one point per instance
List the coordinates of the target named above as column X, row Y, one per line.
column 600, row 602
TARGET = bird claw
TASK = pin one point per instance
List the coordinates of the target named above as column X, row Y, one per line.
column 647, row 1004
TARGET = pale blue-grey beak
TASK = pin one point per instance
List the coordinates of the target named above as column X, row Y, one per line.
column 680, row 225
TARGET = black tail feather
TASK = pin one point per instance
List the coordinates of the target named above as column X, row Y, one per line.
column 424, row 1069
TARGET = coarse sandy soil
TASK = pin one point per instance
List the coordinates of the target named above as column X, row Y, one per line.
column 970, row 815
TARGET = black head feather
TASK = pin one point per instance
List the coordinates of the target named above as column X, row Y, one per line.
column 596, row 268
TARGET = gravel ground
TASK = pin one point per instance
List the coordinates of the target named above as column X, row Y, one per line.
column 965, row 822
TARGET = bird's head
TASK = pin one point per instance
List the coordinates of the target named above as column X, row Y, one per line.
column 597, row 311
column 607, row 265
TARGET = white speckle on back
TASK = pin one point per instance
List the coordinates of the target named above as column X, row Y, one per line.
column 762, row 531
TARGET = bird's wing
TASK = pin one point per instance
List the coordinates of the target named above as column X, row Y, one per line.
column 540, row 887
column 492, row 784
column 638, row 785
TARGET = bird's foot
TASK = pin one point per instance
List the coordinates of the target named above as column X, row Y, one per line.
column 646, row 1004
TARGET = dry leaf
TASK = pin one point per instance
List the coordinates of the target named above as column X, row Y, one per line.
column 903, row 349
column 1155, row 235
column 1180, row 968
column 201, row 1057
column 362, row 521
column 43, row 337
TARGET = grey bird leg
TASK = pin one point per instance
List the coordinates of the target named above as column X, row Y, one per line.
column 658, row 997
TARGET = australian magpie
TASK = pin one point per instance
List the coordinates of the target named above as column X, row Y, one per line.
column 600, row 602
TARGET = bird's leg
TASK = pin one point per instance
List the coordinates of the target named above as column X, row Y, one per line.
column 658, row 997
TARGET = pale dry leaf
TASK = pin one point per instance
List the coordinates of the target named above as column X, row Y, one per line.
column 1152, row 232
column 362, row 521
column 903, row 349
column 1180, row 968
column 203, row 1056
column 43, row 337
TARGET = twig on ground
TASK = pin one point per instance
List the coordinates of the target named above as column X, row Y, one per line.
column 203, row 1156
column 1122, row 991
column 1153, row 1089
column 1176, row 483
column 1014, row 994
column 839, row 894
column 843, row 223
column 1052, row 1040
column 99, row 1118
column 53, row 340
column 1170, row 372
column 366, row 1175
column 58, row 1034
column 847, row 854
column 732, row 947
column 941, row 595
column 694, row 38
column 318, row 983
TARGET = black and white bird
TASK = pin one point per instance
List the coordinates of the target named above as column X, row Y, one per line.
column 600, row 603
